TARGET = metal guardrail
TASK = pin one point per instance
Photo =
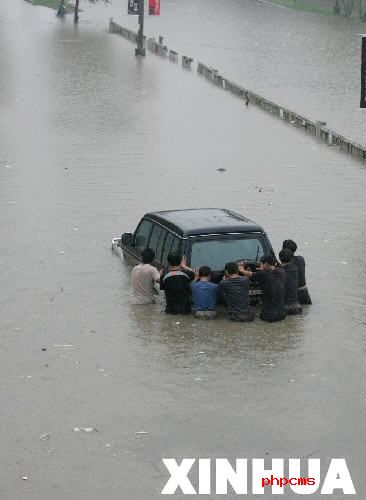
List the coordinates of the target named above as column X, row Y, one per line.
column 316, row 128
column 120, row 30
column 311, row 127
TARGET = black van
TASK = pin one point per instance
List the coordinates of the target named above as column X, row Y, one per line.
column 206, row 236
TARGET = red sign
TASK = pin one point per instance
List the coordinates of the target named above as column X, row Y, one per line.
column 154, row 7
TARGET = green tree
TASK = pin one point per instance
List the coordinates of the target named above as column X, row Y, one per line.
column 62, row 8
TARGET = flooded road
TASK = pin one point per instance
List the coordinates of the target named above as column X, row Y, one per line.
column 307, row 62
column 91, row 139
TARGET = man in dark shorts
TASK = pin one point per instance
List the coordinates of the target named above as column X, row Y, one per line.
column 272, row 280
column 292, row 303
column 236, row 292
column 302, row 292
column 175, row 281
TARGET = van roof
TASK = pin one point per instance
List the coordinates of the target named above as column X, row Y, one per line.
column 196, row 221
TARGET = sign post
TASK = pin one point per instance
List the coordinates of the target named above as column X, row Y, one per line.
column 140, row 50
column 137, row 8
column 363, row 73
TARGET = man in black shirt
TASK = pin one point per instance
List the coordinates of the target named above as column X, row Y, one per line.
column 236, row 292
column 299, row 261
column 273, row 283
column 292, row 303
column 175, row 281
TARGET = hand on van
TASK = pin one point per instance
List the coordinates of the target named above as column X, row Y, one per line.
column 183, row 264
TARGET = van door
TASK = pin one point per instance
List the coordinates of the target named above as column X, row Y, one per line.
column 157, row 238
column 142, row 236
column 167, row 247
column 176, row 245
column 160, row 246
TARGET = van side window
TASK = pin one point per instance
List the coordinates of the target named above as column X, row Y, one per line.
column 175, row 245
column 167, row 249
column 155, row 237
column 142, row 235
column 160, row 244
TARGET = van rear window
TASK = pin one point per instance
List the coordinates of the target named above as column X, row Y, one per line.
column 216, row 253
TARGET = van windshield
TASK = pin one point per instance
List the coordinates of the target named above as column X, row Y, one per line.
column 217, row 252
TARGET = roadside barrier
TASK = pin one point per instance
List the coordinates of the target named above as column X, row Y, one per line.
column 315, row 128
column 120, row 30
column 311, row 127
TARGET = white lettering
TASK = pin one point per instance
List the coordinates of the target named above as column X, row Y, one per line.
column 313, row 472
column 338, row 477
column 178, row 476
column 204, row 471
column 226, row 474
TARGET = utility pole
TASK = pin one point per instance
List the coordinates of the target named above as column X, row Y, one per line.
column 140, row 50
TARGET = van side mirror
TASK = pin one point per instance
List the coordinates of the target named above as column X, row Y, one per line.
column 127, row 238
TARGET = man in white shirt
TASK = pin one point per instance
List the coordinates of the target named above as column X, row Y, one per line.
column 143, row 279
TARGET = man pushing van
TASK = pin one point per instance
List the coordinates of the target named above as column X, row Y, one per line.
column 175, row 281
column 143, row 279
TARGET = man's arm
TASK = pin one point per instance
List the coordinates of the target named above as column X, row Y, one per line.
column 156, row 276
column 243, row 271
column 161, row 279
column 196, row 275
column 188, row 270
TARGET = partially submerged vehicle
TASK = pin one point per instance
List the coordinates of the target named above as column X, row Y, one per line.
column 206, row 236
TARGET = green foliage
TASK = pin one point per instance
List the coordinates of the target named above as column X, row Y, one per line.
column 301, row 5
column 53, row 4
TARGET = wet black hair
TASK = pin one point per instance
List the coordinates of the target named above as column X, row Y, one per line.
column 204, row 271
column 231, row 268
column 268, row 259
column 290, row 244
column 174, row 259
column 147, row 255
column 286, row 255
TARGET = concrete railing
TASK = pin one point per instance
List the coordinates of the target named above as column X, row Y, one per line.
column 120, row 30
column 187, row 62
column 173, row 56
column 316, row 128
column 154, row 46
column 161, row 49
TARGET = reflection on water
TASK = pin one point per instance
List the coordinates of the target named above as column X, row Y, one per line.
column 222, row 340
